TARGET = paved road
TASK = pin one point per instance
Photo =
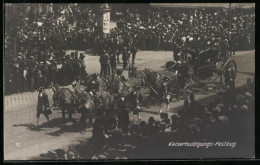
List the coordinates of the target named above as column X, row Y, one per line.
column 21, row 142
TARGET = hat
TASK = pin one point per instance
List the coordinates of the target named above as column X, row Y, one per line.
column 82, row 55
column 151, row 119
column 40, row 89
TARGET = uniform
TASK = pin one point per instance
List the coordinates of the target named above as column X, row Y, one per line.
column 125, row 59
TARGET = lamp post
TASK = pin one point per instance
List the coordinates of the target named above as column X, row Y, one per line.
column 103, row 19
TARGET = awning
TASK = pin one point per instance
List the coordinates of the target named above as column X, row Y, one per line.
column 205, row 5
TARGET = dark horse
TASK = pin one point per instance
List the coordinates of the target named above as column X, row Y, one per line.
column 65, row 99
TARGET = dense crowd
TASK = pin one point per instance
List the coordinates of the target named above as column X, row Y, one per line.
column 40, row 38
column 44, row 69
column 193, row 28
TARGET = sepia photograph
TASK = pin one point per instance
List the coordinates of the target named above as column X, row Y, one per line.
column 128, row 81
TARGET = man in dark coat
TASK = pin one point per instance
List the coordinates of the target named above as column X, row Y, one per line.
column 125, row 58
column 83, row 73
column 123, row 116
column 105, row 64
column 133, row 51
column 113, row 62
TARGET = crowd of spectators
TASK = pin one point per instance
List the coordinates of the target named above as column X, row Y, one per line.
column 193, row 28
column 74, row 27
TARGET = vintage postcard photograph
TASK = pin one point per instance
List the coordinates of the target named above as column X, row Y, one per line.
column 126, row 81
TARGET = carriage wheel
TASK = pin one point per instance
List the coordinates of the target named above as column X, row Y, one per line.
column 227, row 65
column 187, row 90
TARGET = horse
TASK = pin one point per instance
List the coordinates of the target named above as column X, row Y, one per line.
column 65, row 99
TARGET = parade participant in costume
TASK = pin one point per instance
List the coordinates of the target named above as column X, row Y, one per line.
column 42, row 106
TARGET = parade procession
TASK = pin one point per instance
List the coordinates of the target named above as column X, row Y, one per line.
column 122, row 81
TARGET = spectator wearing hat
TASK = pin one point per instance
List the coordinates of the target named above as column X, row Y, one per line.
column 151, row 127
column 42, row 105
column 165, row 122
